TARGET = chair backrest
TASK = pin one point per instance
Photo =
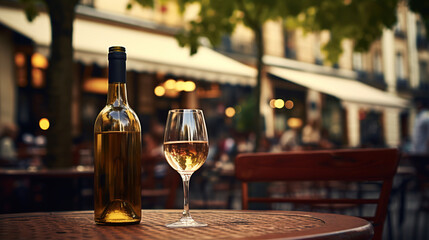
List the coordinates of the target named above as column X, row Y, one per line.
column 350, row 165
column 159, row 183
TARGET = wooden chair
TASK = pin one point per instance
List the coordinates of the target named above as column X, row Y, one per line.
column 347, row 165
column 158, row 191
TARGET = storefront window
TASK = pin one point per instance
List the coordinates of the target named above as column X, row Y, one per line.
column 371, row 128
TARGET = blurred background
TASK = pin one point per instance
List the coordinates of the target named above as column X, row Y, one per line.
column 314, row 75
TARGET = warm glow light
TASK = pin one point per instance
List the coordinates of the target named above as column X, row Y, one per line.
column 170, row 84
column 230, row 112
column 294, row 122
column 39, row 61
column 279, row 103
column 189, row 86
column 180, row 85
column 272, row 103
column 44, row 124
column 289, row 104
column 20, row 59
column 159, row 91
column 37, row 75
column 96, row 85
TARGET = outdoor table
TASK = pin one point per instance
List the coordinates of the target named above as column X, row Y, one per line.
column 27, row 190
column 222, row 224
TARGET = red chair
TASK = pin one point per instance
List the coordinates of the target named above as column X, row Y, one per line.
column 347, row 165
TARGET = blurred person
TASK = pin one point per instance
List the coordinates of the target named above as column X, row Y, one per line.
column 289, row 140
column 153, row 140
column 311, row 135
column 7, row 143
column 152, row 145
column 265, row 144
column 325, row 142
column 420, row 138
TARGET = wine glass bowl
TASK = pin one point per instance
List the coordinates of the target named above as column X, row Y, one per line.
column 186, row 147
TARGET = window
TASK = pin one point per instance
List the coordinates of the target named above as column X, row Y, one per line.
column 424, row 72
column 399, row 66
column 421, row 30
column 357, row 61
column 289, row 44
column 318, row 59
column 376, row 63
column 89, row 3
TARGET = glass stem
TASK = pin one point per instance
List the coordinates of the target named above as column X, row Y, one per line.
column 186, row 179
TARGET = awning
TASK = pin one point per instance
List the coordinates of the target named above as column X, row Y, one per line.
column 345, row 89
column 146, row 51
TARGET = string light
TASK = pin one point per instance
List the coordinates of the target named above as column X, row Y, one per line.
column 279, row 103
column 159, row 91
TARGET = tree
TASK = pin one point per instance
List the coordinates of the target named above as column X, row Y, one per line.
column 361, row 21
column 59, row 77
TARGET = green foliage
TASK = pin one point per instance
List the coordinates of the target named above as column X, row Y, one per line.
column 31, row 8
column 215, row 19
column 143, row 3
column 244, row 120
column 362, row 21
column 220, row 17
column 359, row 20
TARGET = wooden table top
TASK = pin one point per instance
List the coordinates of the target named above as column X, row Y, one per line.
column 222, row 224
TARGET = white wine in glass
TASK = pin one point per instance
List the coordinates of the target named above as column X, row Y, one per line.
column 186, row 147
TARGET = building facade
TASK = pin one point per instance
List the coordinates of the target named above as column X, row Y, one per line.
column 388, row 76
column 394, row 69
column 160, row 74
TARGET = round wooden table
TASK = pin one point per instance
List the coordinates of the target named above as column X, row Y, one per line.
column 222, row 224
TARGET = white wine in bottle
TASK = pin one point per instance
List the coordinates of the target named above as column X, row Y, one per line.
column 117, row 152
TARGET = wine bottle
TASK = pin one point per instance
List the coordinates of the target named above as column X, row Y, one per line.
column 117, row 152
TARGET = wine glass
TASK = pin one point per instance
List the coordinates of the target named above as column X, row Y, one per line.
column 186, row 147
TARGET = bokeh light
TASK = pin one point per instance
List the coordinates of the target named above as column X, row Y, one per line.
column 294, row 122
column 272, row 103
column 159, row 91
column 170, row 84
column 39, row 61
column 44, row 124
column 180, row 85
column 289, row 104
column 230, row 112
column 279, row 103
column 20, row 59
column 189, row 86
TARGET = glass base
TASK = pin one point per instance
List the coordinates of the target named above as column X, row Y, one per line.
column 185, row 222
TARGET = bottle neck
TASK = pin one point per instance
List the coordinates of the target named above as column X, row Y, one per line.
column 117, row 94
column 117, row 91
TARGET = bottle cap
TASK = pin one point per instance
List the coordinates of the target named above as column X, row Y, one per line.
column 117, row 68
column 116, row 49
column 117, row 52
